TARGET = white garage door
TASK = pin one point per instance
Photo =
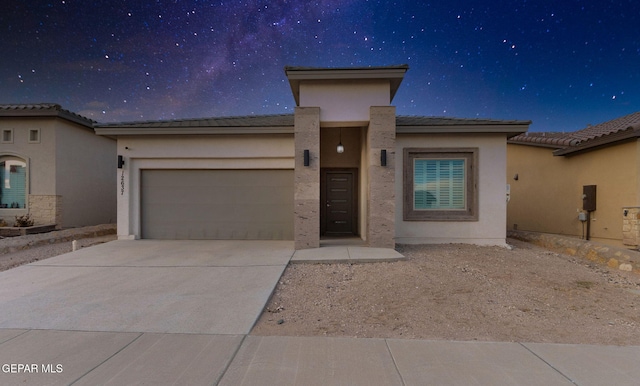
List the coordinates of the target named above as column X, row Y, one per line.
column 217, row 204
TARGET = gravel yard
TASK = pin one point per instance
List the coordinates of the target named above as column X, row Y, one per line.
column 26, row 256
column 460, row 292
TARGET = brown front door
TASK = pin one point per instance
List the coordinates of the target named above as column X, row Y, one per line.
column 338, row 203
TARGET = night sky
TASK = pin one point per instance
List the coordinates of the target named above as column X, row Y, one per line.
column 562, row 63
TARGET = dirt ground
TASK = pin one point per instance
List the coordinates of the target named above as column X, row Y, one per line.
column 15, row 259
column 460, row 292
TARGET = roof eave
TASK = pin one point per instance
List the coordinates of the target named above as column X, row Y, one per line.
column 632, row 132
column 511, row 130
column 534, row 144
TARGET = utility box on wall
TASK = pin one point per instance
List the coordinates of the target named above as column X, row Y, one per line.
column 589, row 198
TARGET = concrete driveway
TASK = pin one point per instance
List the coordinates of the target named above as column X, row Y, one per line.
column 196, row 287
column 127, row 312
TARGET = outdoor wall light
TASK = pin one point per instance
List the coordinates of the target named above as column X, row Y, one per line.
column 340, row 148
column 383, row 157
column 306, row 157
column 120, row 162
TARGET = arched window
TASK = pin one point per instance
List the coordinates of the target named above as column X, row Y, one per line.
column 13, row 182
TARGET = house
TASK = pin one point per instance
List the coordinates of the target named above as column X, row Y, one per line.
column 54, row 168
column 584, row 184
column 342, row 165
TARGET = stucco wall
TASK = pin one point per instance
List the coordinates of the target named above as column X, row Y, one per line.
column 332, row 97
column 41, row 155
column 548, row 193
column 70, row 178
column 41, row 166
column 490, row 227
column 84, row 176
column 191, row 152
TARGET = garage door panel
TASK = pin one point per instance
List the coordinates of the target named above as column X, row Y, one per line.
column 217, row 204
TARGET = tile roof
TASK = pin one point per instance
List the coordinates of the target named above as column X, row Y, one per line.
column 43, row 110
column 256, row 124
column 283, row 124
column 288, row 120
column 598, row 135
column 30, row 107
column 554, row 140
column 238, row 121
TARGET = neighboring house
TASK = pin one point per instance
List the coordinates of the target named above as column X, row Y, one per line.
column 397, row 180
column 548, row 173
column 54, row 167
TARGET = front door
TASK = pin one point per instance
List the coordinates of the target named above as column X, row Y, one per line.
column 338, row 202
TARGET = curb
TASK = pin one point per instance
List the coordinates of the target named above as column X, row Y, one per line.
column 611, row 256
column 19, row 243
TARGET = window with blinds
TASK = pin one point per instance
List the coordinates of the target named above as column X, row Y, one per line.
column 439, row 184
column 13, row 191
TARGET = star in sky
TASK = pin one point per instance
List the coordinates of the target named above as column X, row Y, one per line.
column 561, row 64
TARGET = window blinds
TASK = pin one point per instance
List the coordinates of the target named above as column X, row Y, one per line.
column 439, row 184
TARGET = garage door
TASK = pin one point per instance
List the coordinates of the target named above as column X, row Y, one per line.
column 217, row 204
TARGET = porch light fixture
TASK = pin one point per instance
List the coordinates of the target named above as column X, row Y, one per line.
column 306, row 157
column 340, row 148
column 383, row 157
column 120, row 162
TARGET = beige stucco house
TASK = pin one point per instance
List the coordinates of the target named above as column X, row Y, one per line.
column 394, row 179
column 550, row 172
column 55, row 168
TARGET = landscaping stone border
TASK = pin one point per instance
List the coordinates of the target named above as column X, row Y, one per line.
column 614, row 257
column 18, row 243
column 23, row 231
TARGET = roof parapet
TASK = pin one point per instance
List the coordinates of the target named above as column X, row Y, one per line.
column 394, row 74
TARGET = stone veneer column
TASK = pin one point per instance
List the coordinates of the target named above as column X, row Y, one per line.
column 381, row 185
column 631, row 226
column 307, row 178
column 45, row 209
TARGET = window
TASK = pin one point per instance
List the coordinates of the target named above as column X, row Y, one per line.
column 13, row 180
column 34, row 135
column 7, row 136
column 440, row 184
